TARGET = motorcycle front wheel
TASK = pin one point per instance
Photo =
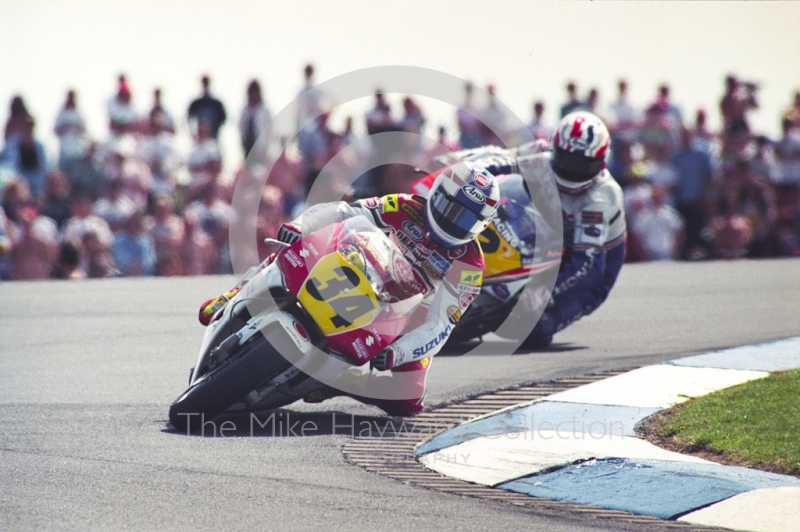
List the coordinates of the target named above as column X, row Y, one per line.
column 227, row 384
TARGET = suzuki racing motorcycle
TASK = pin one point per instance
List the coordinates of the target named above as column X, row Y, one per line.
column 318, row 308
column 511, row 256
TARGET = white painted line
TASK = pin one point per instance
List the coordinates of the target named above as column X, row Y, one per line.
column 497, row 459
column 660, row 386
column 764, row 510
column 773, row 356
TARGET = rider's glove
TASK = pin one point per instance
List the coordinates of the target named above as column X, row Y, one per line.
column 387, row 359
column 289, row 233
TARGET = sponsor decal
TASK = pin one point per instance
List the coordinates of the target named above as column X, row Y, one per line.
column 425, row 362
column 412, row 212
column 507, row 233
column 390, row 203
column 298, row 334
column 255, row 324
column 371, row 203
column 501, row 291
column 591, row 217
column 465, row 298
column 592, row 231
column 441, row 264
column 453, row 314
column 293, row 259
column 421, row 251
column 420, row 351
column 402, row 241
column 471, row 277
column 304, row 253
column 360, row 349
column 370, row 340
column 456, row 253
column 414, row 231
column 405, row 240
column 300, row 330
column 576, row 145
column 474, row 194
column 310, row 246
column 481, row 180
column 432, row 272
column 469, row 289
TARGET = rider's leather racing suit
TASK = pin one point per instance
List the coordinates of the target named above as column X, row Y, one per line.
column 594, row 239
column 450, row 278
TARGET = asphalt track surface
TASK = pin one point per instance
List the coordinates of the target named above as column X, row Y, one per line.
column 88, row 369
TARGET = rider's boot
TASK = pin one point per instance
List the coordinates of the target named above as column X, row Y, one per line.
column 210, row 307
column 414, row 381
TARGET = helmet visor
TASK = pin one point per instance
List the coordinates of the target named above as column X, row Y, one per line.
column 574, row 167
column 455, row 219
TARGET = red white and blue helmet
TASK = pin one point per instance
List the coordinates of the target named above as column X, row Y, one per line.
column 580, row 145
column 461, row 204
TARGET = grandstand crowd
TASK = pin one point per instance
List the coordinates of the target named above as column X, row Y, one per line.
column 134, row 204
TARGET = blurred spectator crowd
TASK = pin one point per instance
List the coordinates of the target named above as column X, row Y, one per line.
column 133, row 204
column 693, row 194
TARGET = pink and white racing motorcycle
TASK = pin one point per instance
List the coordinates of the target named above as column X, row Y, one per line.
column 318, row 308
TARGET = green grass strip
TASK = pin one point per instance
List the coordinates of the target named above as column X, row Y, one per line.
column 756, row 423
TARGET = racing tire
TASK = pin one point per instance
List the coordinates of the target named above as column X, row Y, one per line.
column 470, row 328
column 225, row 385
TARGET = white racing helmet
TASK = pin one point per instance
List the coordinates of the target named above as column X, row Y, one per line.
column 580, row 145
column 461, row 204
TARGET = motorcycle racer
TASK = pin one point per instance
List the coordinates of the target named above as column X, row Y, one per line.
column 438, row 237
column 592, row 212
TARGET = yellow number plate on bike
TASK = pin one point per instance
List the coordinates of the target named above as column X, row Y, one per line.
column 499, row 255
column 338, row 296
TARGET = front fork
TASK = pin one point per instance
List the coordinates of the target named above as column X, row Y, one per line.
column 253, row 299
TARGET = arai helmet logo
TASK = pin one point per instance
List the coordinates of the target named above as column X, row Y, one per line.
column 300, row 330
column 578, row 139
column 576, row 145
column 474, row 194
column 413, row 230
